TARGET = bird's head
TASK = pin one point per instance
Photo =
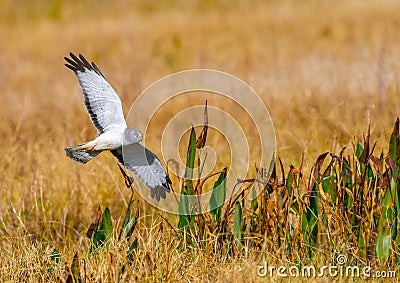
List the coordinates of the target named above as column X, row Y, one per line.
column 133, row 136
column 138, row 135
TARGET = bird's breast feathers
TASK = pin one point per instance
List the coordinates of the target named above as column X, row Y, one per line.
column 109, row 140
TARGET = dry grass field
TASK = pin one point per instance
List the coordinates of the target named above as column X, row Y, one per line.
column 326, row 70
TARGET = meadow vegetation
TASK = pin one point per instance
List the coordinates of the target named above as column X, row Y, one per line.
column 329, row 75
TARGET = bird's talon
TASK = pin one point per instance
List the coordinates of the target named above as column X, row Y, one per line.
column 90, row 148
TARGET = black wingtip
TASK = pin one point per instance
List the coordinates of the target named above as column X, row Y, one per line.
column 167, row 184
column 80, row 64
column 96, row 69
column 159, row 193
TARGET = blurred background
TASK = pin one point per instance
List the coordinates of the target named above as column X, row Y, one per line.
column 325, row 70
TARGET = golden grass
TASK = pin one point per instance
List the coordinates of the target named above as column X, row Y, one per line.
column 325, row 71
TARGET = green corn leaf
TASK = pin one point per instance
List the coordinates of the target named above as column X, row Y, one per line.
column 191, row 156
column 396, row 206
column 387, row 199
column 130, row 255
column 328, row 186
column 329, row 183
column 310, row 221
column 187, row 188
column 389, row 206
column 128, row 214
column 74, row 276
column 383, row 242
column 304, row 224
column 254, row 206
column 359, row 150
column 238, row 224
column 218, row 196
column 361, row 242
column 312, row 226
column 313, row 208
column 105, row 230
column 129, row 228
column 75, row 268
column 129, row 223
column 184, row 213
column 346, row 174
column 131, row 248
column 289, row 180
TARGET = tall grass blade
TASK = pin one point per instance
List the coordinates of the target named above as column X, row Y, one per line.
column 394, row 143
column 361, row 243
column 95, row 224
column 254, row 205
column 289, row 180
column 201, row 140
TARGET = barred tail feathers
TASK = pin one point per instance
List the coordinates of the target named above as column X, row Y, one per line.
column 80, row 154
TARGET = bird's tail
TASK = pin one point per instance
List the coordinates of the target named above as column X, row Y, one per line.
column 80, row 153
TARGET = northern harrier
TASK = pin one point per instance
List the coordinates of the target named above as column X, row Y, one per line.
column 105, row 110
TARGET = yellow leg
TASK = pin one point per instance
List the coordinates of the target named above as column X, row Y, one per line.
column 90, row 148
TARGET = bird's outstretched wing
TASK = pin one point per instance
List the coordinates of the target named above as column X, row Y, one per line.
column 146, row 166
column 102, row 102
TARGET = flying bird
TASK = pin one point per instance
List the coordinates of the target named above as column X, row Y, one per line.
column 105, row 110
